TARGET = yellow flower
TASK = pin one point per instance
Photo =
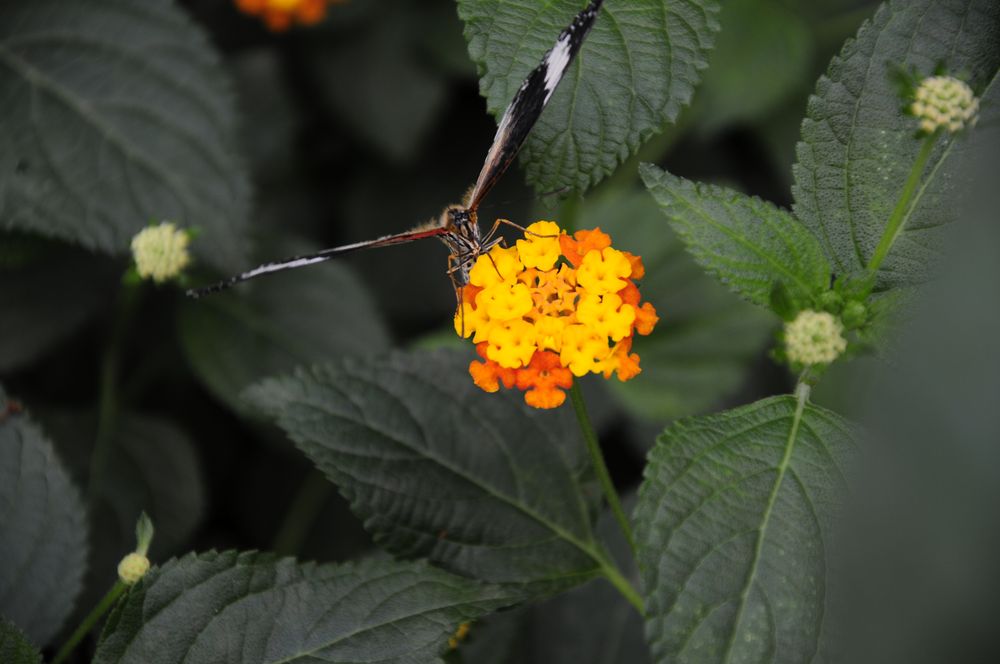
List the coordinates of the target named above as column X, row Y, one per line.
column 540, row 246
column 548, row 331
column 583, row 349
column 606, row 314
column 498, row 265
column 473, row 321
column 161, row 252
column 604, row 271
column 506, row 300
column 459, row 635
column 551, row 308
column 511, row 344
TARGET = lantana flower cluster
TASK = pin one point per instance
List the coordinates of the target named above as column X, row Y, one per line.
column 279, row 15
column 944, row 102
column 161, row 252
column 550, row 308
column 814, row 337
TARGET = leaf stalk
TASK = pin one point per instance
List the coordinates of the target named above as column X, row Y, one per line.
column 107, row 410
column 895, row 224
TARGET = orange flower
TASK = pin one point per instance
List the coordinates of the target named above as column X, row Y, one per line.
column 544, row 317
column 542, row 379
column 625, row 365
column 279, row 15
column 487, row 375
column 645, row 319
column 575, row 249
column 638, row 269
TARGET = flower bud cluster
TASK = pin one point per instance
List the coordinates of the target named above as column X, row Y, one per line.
column 944, row 102
column 814, row 337
column 161, row 252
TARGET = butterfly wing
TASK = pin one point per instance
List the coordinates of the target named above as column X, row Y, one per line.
column 320, row 257
column 530, row 101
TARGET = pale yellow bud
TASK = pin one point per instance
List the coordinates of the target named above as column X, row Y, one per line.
column 132, row 568
column 161, row 252
column 814, row 337
column 944, row 102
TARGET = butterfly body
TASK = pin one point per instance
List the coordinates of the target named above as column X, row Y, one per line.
column 458, row 227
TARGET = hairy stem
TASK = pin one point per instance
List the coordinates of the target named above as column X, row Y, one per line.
column 902, row 209
column 107, row 410
column 628, row 591
column 594, row 448
column 88, row 623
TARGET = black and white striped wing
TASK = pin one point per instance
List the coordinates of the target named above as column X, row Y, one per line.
column 530, row 101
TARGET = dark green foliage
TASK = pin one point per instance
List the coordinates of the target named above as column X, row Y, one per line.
column 438, row 468
column 117, row 114
column 733, row 524
column 43, row 536
column 224, row 607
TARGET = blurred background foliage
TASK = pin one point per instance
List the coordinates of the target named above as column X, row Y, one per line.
column 363, row 125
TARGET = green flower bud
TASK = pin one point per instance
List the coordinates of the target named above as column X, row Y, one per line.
column 854, row 315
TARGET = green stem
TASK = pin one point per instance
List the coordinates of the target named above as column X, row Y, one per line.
column 618, row 580
column 594, row 448
column 88, row 623
column 107, row 409
column 302, row 513
column 895, row 224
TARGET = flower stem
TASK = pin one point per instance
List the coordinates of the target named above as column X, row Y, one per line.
column 895, row 224
column 590, row 438
column 88, row 623
column 302, row 514
column 628, row 591
column 107, row 410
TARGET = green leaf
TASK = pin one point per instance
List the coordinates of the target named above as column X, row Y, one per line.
column 436, row 467
column 857, row 146
column 762, row 56
column 274, row 324
column 733, row 524
column 14, row 647
column 47, row 297
column 706, row 340
column 43, row 535
column 636, row 70
column 749, row 244
column 117, row 114
column 592, row 624
column 225, row 607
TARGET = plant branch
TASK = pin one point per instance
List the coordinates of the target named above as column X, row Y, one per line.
column 902, row 209
column 107, row 412
column 628, row 591
column 88, row 623
column 594, row 448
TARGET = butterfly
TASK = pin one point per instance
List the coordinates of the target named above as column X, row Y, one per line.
column 458, row 227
